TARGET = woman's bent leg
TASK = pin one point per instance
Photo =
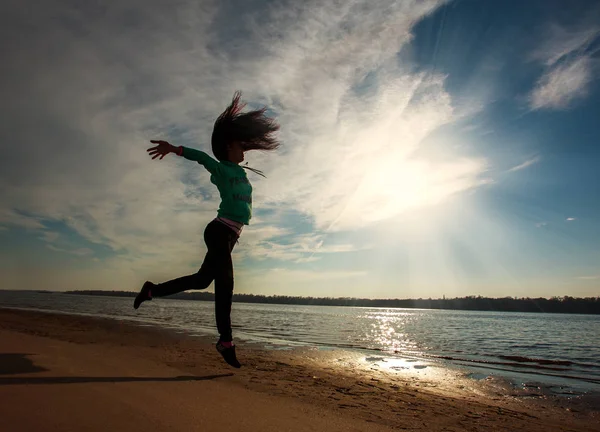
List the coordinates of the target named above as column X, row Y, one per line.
column 197, row 281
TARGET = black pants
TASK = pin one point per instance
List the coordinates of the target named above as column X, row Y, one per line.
column 217, row 266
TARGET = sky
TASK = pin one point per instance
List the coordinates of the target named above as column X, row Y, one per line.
column 430, row 148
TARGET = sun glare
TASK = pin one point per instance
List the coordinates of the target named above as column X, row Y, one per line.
column 395, row 183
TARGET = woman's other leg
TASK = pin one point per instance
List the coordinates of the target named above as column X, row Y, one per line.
column 224, row 296
column 223, row 274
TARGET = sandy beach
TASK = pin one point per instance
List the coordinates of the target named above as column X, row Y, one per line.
column 75, row 373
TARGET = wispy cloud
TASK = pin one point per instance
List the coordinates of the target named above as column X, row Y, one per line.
column 50, row 236
column 589, row 277
column 78, row 251
column 541, row 224
column 525, row 164
column 9, row 217
column 300, row 248
column 560, row 42
column 563, row 84
column 569, row 66
column 571, row 219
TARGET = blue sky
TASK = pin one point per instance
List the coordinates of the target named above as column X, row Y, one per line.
column 430, row 148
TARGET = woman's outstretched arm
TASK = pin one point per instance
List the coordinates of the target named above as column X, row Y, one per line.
column 163, row 148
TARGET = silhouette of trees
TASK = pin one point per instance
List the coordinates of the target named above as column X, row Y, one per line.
column 566, row 304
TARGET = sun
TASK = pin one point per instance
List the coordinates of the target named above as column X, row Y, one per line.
column 394, row 183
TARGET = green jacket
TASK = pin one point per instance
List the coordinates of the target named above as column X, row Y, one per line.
column 232, row 182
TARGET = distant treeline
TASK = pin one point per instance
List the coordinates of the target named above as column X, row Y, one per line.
column 588, row 305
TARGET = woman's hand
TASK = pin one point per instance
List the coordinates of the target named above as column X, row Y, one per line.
column 162, row 149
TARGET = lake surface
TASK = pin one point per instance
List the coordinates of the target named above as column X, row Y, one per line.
column 559, row 351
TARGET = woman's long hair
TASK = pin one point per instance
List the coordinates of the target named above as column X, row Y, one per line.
column 253, row 129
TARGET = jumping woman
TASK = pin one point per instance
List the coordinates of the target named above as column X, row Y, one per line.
column 233, row 134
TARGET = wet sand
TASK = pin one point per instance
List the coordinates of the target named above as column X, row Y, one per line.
column 65, row 372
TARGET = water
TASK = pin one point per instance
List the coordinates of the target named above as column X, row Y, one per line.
column 557, row 350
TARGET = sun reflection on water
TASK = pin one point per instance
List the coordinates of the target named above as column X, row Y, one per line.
column 387, row 332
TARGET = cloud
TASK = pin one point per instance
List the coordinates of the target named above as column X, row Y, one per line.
column 261, row 244
column 589, row 277
column 98, row 83
column 306, row 276
column 50, row 236
column 571, row 219
column 541, row 224
column 560, row 42
column 9, row 217
column 78, row 251
column 525, row 164
column 569, row 66
column 563, row 84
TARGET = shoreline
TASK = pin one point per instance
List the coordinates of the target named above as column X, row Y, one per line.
column 330, row 379
column 547, row 383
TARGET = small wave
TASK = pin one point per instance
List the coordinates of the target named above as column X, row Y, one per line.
column 521, row 359
column 543, row 373
column 532, row 346
column 499, row 363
